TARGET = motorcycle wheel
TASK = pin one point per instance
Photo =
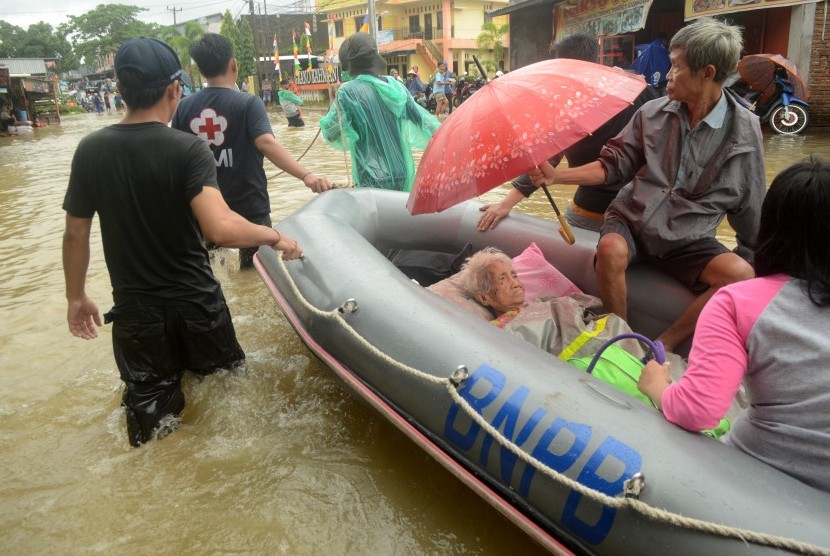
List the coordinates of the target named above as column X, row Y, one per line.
column 789, row 120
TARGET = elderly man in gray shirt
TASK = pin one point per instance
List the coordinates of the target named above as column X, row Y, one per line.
column 691, row 158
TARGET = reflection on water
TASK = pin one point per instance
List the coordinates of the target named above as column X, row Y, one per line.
column 277, row 457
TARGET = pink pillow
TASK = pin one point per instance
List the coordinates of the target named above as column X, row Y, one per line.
column 540, row 278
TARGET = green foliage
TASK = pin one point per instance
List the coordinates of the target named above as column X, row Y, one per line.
column 39, row 41
column 490, row 43
column 10, row 38
column 245, row 54
column 229, row 30
column 180, row 42
column 102, row 30
column 242, row 39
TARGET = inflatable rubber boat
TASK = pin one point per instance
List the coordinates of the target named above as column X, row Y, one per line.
column 576, row 464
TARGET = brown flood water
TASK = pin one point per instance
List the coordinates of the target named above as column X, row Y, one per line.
column 276, row 458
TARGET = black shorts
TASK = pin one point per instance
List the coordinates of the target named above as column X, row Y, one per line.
column 295, row 121
column 684, row 263
column 153, row 347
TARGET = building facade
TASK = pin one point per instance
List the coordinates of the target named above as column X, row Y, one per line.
column 796, row 29
column 420, row 33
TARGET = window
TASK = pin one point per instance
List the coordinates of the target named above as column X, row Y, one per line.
column 338, row 28
column 439, row 20
column 414, row 24
column 358, row 22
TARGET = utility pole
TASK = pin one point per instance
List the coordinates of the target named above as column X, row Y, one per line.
column 373, row 20
column 174, row 9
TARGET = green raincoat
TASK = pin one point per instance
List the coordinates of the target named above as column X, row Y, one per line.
column 380, row 123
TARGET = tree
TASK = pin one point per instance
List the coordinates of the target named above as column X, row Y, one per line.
column 491, row 41
column 11, row 37
column 180, row 42
column 39, row 41
column 245, row 54
column 229, row 30
column 42, row 41
column 102, row 30
column 242, row 40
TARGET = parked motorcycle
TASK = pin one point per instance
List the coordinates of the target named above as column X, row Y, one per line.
column 785, row 112
column 466, row 88
column 426, row 100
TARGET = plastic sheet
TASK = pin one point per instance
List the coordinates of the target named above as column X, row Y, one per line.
column 377, row 120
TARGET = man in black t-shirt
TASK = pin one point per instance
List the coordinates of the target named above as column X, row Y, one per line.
column 157, row 199
column 236, row 127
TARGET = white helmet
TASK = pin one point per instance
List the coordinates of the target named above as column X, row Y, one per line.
column 499, row 73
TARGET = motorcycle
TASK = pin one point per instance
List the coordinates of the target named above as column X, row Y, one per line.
column 785, row 112
column 425, row 99
column 465, row 88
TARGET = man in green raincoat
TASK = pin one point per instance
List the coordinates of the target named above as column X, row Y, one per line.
column 376, row 119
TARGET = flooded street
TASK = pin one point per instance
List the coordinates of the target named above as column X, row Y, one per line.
column 278, row 457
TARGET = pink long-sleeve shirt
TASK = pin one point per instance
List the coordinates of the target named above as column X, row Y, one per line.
column 768, row 333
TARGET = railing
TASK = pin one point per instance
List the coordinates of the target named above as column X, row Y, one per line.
column 404, row 33
column 434, row 50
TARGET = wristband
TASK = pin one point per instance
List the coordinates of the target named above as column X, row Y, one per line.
column 279, row 236
column 302, row 179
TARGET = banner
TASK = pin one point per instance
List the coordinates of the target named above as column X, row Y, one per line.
column 296, row 53
column 276, row 57
column 601, row 17
column 698, row 8
column 307, row 39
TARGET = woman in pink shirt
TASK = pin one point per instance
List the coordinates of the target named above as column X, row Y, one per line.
column 772, row 333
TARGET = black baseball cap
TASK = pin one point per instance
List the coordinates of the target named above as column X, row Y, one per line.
column 153, row 60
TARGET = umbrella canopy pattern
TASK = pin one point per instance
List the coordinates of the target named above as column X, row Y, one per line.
column 758, row 70
column 514, row 123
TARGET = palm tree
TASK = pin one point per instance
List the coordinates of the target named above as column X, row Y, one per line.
column 491, row 41
column 181, row 44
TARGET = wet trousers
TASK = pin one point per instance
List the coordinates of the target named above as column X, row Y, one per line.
column 154, row 345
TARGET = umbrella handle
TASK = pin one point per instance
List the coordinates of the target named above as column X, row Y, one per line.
column 565, row 230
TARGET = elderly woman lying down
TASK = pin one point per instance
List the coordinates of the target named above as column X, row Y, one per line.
column 568, row 326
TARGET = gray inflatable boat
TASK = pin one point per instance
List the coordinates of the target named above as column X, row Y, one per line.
column 574, row 463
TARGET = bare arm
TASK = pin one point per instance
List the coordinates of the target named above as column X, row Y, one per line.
column 224, row 227
column 653, row 381
column 592, row 173
column 494, row 213
column 276, row 153
column 82, row 314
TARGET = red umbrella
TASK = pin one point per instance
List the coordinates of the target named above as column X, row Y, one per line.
column 514, row 123
column 757, row 71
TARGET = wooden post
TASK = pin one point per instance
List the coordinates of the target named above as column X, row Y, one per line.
column 55, row 84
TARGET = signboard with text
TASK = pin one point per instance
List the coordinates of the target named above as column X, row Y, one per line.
column 698, row 8
column 601, row 17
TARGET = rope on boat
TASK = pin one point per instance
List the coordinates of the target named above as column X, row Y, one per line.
column 656, row 514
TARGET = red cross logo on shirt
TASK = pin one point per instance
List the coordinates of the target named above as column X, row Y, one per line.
column 210, row 127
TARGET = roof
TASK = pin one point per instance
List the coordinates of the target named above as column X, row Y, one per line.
column 516, row 5
column 24, row 67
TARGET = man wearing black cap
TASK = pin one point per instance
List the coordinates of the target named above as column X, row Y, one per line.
column 157, row 199
column 236, row 127
column 375, row 118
